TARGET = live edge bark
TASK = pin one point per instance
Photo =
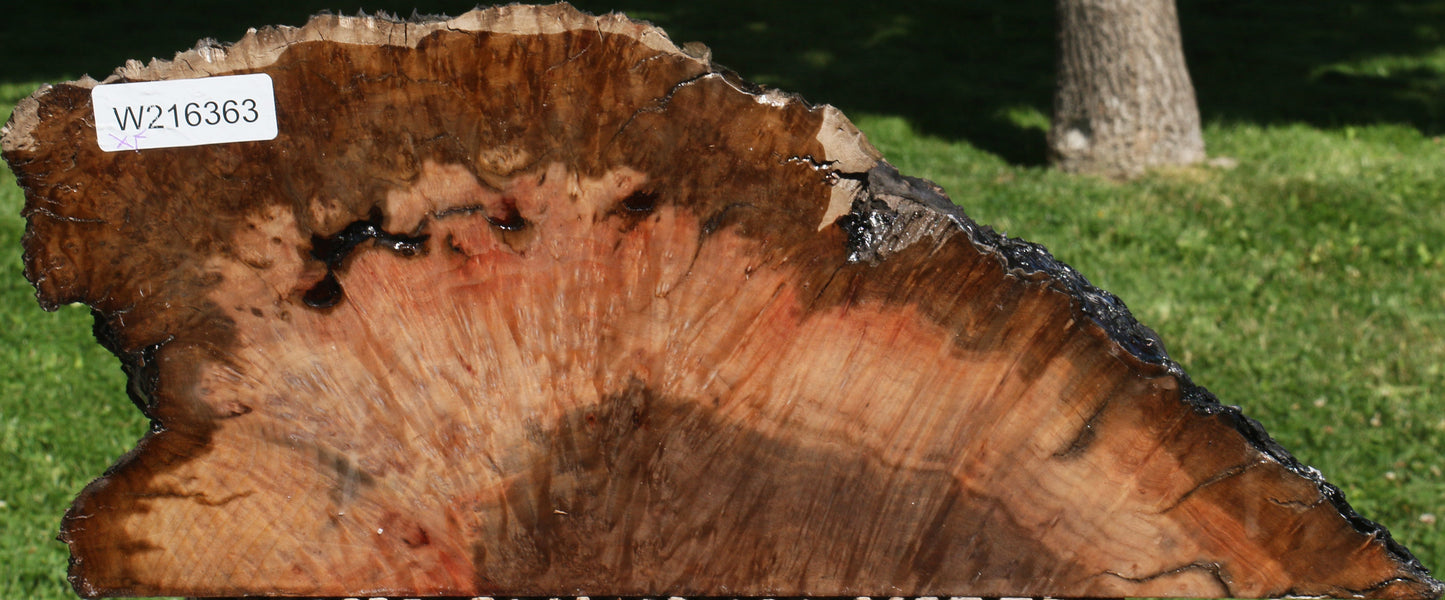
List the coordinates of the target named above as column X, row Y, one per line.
column 532, row 303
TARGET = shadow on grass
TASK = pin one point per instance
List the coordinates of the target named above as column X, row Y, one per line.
column 955, row 70
column 1327, row 63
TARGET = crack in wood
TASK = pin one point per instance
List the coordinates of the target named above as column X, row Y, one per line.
column 1234, row 471
column 1215, row 570
column 570, row 57
column 59, row 217
column 1297, row 504
column 660, row 103
column 197, row 497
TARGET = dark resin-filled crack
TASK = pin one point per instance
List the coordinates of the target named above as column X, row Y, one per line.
column 325, row 294
column 333, row 251
column 510, row 219
column 640, row 201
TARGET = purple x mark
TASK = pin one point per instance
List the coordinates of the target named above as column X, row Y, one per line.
column 128, row 141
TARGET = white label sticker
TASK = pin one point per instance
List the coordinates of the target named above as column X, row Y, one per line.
column 184, row 112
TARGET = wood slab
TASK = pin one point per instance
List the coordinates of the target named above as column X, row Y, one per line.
column 533, row 303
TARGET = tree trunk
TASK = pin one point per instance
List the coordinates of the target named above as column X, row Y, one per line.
column 1124, row 102
column 532, row 303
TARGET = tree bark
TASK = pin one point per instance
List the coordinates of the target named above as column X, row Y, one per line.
column 1124, row 102
column 532, row 303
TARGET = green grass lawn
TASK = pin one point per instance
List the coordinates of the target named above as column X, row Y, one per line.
column 1307, row 284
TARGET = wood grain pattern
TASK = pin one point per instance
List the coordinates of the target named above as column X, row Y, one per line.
column 532, row 303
